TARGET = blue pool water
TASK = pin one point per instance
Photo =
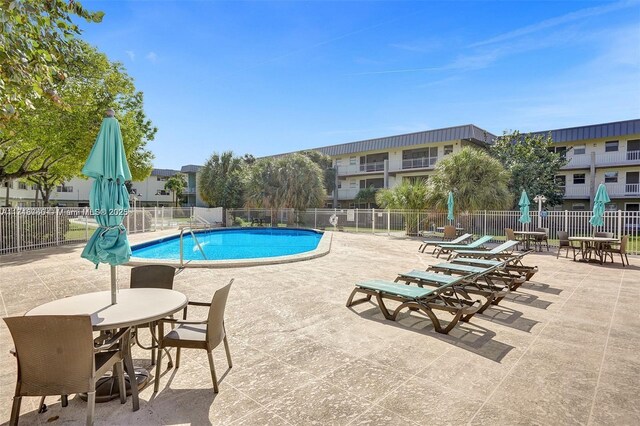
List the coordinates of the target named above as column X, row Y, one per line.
column 224, row 244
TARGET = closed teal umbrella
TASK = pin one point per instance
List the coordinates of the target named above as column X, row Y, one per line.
column 524, row 208
column 450, row 216
column 109, row 199
column 599, row 202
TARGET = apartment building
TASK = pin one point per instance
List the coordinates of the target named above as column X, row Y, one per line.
column 606, row 153
column 386, row 162
column 75, row 193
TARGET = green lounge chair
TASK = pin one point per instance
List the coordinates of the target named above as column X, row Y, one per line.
column 477, row 244
column 470, row 283
column 514, row 265
column 426, row 243
column 500, row 252
column 418, row 299
column 494, row 275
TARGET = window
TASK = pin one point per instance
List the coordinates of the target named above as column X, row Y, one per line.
column 62, row 188
column 163, row 178
column 22, row 185
column 579, row 178
column 611, row 146
column 611, row 177
column 163, row 192
column 561, row 180
column 352, row 184
column 611, row 207
column 448, row 149
column 352, row 161
column 578, row 206
column 338, row 162
column 8, row 184
column 562, row 150
column 579, row 150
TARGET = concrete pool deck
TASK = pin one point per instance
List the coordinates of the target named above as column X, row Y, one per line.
column 563, row 349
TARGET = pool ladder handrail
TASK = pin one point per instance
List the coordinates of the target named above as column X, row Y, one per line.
column 182, row 230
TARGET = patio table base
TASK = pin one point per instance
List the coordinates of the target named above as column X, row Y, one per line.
column 107, row 386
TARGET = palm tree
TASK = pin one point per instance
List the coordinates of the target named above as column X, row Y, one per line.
column 478, row 181
column 409, row 197
column 176, row 185
column 220, row 180
column 366, row 196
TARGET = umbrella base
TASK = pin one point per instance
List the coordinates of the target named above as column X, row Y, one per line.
column 107, row 386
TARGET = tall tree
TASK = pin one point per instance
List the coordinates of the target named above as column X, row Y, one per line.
column 291, row 181
column 533, row 164
column 37, row 39
column 411, row 197
column 220, row 180
column 51, row 136
column 326, row 165
column 478, row 182
column 176, row 184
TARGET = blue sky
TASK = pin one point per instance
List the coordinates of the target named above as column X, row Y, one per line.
column 266, row 77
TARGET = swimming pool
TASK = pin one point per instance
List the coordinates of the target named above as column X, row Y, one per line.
column 231, row 244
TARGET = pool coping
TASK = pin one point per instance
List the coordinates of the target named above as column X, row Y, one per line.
column 323, row 248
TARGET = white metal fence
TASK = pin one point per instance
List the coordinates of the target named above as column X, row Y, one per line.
column 413, row 223
column 36, row 227
column 30, row 228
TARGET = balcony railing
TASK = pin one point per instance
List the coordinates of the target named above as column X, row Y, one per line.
column 606, row 158
column 632, row 189
column 372, row 167
column 188, row 191
column 573, row 191
column 347, row 193
column 416, row 163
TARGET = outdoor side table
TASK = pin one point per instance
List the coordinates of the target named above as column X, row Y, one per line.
column 589, row 245
column 529, row 236
column 136, row 306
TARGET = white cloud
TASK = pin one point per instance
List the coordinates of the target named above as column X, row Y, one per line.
column 131, row 54
column 558, row 20
column 152, row 57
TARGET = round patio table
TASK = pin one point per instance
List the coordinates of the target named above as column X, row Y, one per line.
column 594, row 245
column 136, row 306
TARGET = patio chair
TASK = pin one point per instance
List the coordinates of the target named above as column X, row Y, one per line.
column 500, row 252
column 206, row 334
column 605, row 246
column 425, row 300
column 513, row 265
column 426, row 243
column 542, row 238
column 151, row 276
column 565, row 244
column 56, row 356
column 449, row 233
column 621, row 250
column 511, row 236
column 444, row 248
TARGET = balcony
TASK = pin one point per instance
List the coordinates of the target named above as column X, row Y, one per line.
column 623, row 189
column 188, row 191
column 576, row 191
column 372, row 167
column 419, row 163
column 356, row 169
column 604, row 159
column 346, row 193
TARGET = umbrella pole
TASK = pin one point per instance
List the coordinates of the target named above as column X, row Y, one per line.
column 114, row 281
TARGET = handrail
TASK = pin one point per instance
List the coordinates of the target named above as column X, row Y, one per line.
column 182, row 244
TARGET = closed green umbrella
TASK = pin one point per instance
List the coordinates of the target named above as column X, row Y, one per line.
column 599, row 202
column 450, row 216
column 109, row 199
column 524, row 208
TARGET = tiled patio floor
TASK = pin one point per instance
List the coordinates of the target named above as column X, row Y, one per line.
column 563, row 349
